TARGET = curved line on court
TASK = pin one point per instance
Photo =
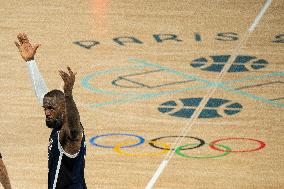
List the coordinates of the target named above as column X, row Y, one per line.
column 86, row 79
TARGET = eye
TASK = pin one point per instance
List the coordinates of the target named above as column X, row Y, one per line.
column 51, row 108
column 48, row 108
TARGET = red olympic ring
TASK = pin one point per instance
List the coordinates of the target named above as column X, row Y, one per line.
column 213, row 146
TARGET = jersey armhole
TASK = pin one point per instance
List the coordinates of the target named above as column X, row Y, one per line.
column 62, row 150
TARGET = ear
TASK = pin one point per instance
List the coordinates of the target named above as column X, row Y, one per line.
column 63, row 107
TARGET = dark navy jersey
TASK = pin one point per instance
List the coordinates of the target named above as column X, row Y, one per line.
column 65, row 171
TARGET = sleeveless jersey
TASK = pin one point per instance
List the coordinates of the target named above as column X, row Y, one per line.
column 65, row 171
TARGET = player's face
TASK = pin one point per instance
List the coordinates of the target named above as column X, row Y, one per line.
column 54, row 111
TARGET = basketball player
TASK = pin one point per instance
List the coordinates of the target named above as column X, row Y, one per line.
column 4, row 178
column 67, row 149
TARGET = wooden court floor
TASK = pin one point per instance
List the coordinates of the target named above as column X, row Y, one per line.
column 172, row 94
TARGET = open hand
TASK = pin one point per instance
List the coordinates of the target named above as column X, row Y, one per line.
column 69, row 81
column 26, row 50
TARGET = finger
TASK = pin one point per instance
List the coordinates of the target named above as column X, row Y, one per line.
column 61, row 72
column 63, row 78
column 72, row 75
column 66, row 74
column 36, row 47
column 17, row 45
column 25, row 37
column 20, row 38
column 19, row 34
column 63, row 75
column 69, row 69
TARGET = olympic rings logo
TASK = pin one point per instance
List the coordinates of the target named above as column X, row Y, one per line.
column 165, row 148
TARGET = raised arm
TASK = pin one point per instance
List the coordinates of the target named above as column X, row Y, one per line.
column 28, row 52
column 72, row 128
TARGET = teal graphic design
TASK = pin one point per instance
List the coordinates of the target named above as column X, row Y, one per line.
column 202, row 83
column 242, row 63
column 132, row 82
column 214, row 108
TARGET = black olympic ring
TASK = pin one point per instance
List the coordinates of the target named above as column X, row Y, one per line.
column 201, row 142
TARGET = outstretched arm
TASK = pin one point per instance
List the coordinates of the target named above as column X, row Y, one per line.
column 72, row 129
column 4, row 179
column 27, row 52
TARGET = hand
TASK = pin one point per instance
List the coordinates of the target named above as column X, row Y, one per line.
column 69, row 81
column 26, row 50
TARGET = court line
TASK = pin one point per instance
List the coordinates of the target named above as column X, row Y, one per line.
column 259, row 16
column 135, row 96
column 86, row 79
column 223, row 84
column 126, row 78
column 129, row 80
column 168, row 157
column 281, row 73
column 258, row 98
column 179, row 73
column 259, row 85
column 277, row 99
column 148, row 95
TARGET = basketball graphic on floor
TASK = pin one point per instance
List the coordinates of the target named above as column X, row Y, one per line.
column 185, row 107
column 242, row 63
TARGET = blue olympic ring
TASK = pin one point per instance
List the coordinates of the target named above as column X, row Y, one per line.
column 92, row 140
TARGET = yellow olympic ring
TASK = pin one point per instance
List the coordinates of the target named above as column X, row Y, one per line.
column 118, row 146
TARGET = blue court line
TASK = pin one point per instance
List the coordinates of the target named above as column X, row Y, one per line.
column 86, row 85
column 86, row 79
column 185, row 75
column 281, row 73
column 221, row 84
column 207, row 84
column 252, row 96
column 146, row 96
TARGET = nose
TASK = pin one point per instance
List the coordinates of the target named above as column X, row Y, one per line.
column 47, row 113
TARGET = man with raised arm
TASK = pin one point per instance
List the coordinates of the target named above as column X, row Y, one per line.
column 4, row 178
column 67, row 149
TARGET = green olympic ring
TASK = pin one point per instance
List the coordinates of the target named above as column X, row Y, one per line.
column 178, row 151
